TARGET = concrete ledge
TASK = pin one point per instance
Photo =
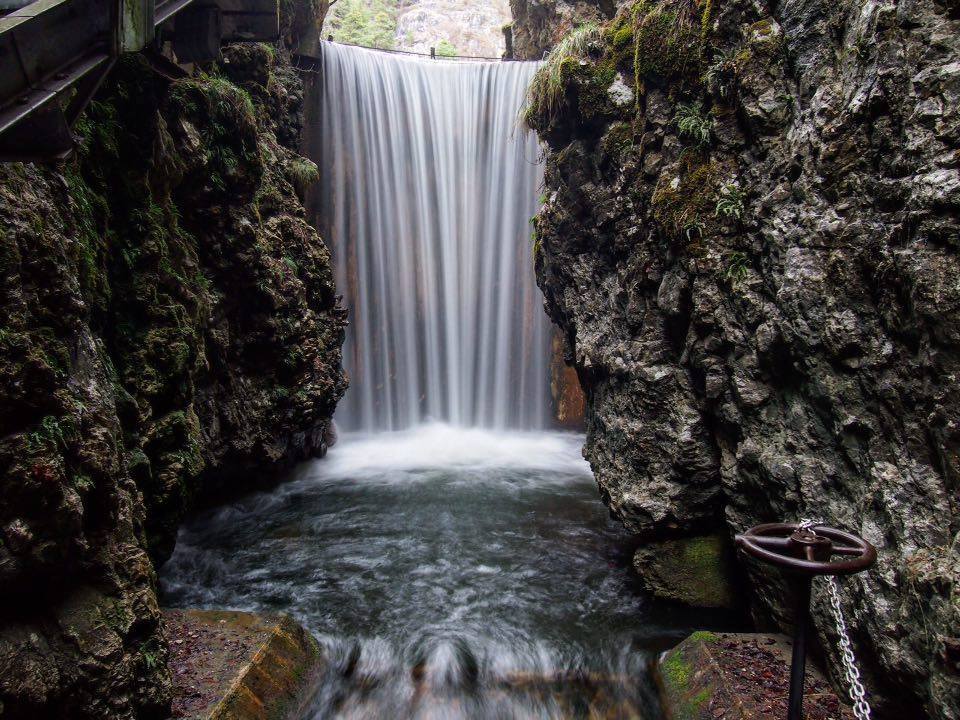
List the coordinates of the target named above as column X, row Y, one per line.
column 739, row 676
column 240, row 666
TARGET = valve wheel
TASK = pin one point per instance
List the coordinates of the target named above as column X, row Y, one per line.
column 808, row 549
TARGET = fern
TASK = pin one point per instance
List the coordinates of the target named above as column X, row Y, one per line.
column 730, row 201
column 694, row 123
column 736, row 270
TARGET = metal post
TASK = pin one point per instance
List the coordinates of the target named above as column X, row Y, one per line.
column 798, row 661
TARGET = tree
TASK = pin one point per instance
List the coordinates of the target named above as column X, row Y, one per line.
column 446, row 49
column 371, row 23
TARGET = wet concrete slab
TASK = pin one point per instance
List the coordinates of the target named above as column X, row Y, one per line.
column 239, row 665
column 740, row 676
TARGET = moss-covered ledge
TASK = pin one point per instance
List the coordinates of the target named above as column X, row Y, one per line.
column 739, row 676
column 229, row 665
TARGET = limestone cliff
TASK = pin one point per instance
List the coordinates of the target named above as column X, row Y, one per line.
column 751, row 244
column 539, row 24
column 170, row 332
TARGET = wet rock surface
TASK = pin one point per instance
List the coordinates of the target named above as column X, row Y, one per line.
column 170, row 334
column 695, row 571
column 755, row 266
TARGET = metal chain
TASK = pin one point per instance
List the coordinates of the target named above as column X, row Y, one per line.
column 861, row 708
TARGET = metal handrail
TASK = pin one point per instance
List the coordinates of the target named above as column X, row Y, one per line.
column 433, row 55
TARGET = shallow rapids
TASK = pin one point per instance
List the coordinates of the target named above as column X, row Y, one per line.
column 449, row 573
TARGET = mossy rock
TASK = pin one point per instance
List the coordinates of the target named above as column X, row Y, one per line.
column 694, row 571
column 739, row 676
column 683, row 203
column 687, row 687
column 668, row 45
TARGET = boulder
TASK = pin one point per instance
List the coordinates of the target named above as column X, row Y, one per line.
column 695, row 571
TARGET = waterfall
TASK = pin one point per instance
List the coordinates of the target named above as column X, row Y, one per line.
column 428, row 184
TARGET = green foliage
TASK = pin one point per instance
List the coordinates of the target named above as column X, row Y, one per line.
column 371, row 23
column 150, row 652
column 303, row 173
column 446, row 49
column 704, row 636
column 693, row 122
column 691, row 225
column 730, row 201
column 676, row 670
column 547, row 89
column 49, row 435
column 668, row 42
column 683, row 204
column 721, row 74
column 736, row 270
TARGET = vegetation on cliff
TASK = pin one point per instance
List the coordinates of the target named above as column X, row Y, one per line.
column 170, row 332
column 750, row 242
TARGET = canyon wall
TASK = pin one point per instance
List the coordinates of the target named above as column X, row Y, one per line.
column 750, row 242
column 539, row 24
column 170, row 334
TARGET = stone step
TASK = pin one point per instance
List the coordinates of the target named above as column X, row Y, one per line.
column 239, row 665
column 740, row 676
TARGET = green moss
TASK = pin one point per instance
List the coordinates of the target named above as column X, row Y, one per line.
column 676, row 670
column 90, row 210
column 548, row 88
column 47, row 437
column 683, row 204
column 703, row 560
column 618, row 142
column 619, row 33
column 684, row 700
column 302, row 173
column 705, row 636
column 593, row 101
column 698, row 701
column 694, row 571
column 668, row 47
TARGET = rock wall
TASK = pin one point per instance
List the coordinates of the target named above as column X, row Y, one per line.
column 751, row 244
column 169, row 333
column 539, row 24
column 468, row 27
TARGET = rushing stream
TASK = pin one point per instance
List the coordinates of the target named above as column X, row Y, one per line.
column 450, row 573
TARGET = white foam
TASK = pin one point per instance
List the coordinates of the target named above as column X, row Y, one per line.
column 439, row 446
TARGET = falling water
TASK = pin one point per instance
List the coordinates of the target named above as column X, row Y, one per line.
column 428, row 186
column 464, row 573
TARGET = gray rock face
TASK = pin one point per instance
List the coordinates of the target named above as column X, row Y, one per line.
column 170, row 331
column 539, row 24
column 756, row 270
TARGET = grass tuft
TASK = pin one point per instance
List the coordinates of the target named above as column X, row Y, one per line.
column 547, row 89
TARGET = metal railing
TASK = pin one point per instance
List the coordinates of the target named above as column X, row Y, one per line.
column 433, row 55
